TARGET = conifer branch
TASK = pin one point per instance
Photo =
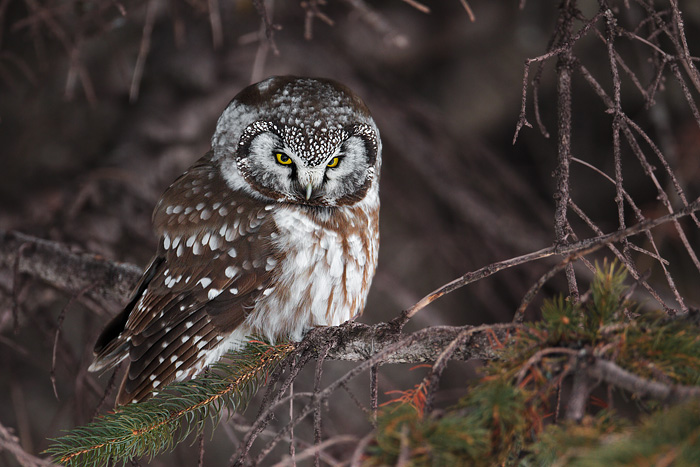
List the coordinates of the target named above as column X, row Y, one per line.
column 158, row 424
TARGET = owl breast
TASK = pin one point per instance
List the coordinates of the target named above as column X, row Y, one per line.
column 329, row 259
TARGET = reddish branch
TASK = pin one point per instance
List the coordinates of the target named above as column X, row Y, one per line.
column 570, row 252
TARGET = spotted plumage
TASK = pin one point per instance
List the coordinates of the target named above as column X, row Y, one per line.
column 273, row 232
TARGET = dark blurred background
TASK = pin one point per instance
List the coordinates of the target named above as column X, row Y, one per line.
column 104, row 104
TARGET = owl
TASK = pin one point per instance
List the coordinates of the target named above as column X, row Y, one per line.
column 271, row 233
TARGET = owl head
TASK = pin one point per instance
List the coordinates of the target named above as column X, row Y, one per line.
column 305, row 141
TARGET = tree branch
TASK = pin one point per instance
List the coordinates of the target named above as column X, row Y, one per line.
column 570, row 251
column 609, row 372
column 10, row 443
column 68, row 270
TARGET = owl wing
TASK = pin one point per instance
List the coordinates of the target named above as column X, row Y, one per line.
column 214, row 261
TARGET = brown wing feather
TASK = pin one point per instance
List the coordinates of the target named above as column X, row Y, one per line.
column 209, row 271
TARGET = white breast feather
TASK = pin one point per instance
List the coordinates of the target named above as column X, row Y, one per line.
column 314, row 268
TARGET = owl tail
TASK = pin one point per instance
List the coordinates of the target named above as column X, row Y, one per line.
column 111, row 348
column 114, row 353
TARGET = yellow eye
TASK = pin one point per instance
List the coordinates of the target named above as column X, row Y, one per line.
column 283, row 159
column 334, row 162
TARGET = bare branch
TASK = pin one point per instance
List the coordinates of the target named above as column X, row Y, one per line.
column 10, row 443
column 144, row 48
column 71, row 271
column 610, row 372
column 573, row 250
column 379, row 23
column 316, row 449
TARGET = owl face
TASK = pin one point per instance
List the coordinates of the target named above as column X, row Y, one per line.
column 300, row 141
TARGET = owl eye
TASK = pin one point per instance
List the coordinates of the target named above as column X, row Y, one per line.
column 334, row 162
column 282, row 158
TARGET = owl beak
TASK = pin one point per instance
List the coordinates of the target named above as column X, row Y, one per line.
column 310, row 182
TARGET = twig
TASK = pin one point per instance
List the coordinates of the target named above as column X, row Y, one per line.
column 574, row 250
column 552, row 52
column 109, row 387
column 217, row 30
column 356, row 459
column 610, row 372
column 374, row 393
column 312, row 11
column 686, row 58
column 268, row 27
column 316, row 449
column 617, row 112
column 439, row 367
column 317, row 412
column 380, row 24
column 536, row 287
column 17, row 285
column 468, row 9
column 144, row 48
column 537, row 357
column 404, row 448
column 265, row 413
column 581, row 389
column 418, row 6
column 200, row 461
column 11, row 444
column 292, row 447
column 623, row 259
column 59, row 323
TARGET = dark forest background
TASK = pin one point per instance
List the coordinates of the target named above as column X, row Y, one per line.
column 104, row 104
